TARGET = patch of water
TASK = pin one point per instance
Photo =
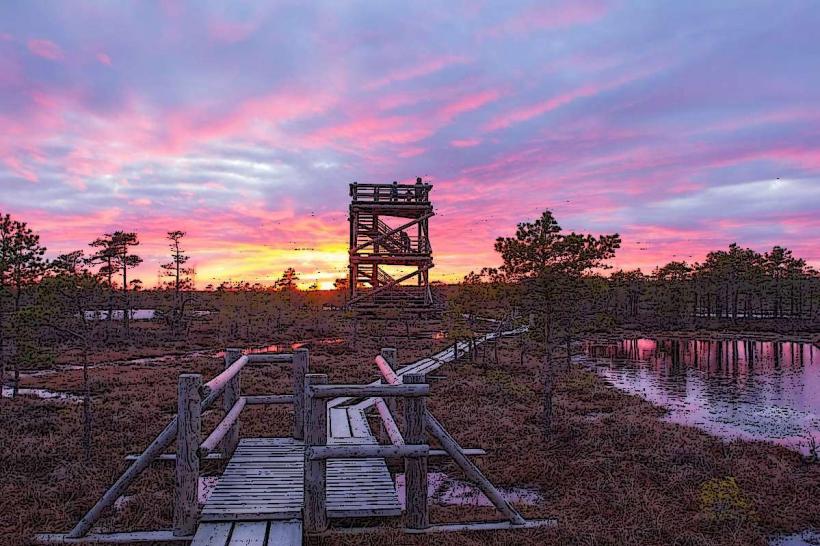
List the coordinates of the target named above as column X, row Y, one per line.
column 809, row 537
column 134, row 314
column 44, row 394
column 757, row 390
column 446, row 491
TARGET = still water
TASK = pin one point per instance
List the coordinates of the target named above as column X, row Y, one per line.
column 759, row 390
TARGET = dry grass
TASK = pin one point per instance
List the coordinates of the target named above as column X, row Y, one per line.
column 613, row 472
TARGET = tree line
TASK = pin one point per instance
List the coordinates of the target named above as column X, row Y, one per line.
column 555, row 282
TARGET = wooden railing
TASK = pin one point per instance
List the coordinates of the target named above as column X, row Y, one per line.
column 431, row 425
column 395, row 193
column 193, row 399
column 415, row 450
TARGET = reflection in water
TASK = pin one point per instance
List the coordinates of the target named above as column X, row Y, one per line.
column 44, row 394
column 733, row 388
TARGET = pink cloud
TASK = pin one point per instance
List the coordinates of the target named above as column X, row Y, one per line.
column 549, row 17
column 469, row 102
column 45, row 49
column 104, row 59
column 425, row 68
column 465, row 142
column 534, row 110
column 17, row 167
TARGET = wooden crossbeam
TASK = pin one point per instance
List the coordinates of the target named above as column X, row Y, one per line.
column 392, row 231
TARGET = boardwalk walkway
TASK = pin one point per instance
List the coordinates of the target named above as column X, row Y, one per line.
column 259, row 499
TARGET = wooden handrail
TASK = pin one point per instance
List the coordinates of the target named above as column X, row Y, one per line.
column 156, row 449
column 212, row 441
column 214, row 387
column 366, row 451
column 368, row 391
column 268, row 399
column 259, row 358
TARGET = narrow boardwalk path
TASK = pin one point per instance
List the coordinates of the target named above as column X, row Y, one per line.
column 259, row 499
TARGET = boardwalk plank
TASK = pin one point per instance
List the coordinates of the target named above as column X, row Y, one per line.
column 249, row 533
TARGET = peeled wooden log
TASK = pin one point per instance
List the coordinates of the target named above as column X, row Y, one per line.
column 216, row 386
column 189, row 428
column 223, row 428
column 301, row 365
column 369, row 391
column 415, row 467
column 263, row 358
column 365, row 451
column 389, row 422
column 315, row 494
column 267, row 399
column 229, row 399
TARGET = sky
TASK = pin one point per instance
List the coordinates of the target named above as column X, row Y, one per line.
column 683, row 126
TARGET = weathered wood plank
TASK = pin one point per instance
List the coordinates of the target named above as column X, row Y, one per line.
column 249, row 533
column 212, row 534
column 137, row 537
column 285, row 533
column 339, row 423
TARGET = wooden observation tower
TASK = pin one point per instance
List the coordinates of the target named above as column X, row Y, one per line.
column 388, row 227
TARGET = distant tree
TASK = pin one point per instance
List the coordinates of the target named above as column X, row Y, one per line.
column 288, row 280
column 105, row 257
column 22, row 265
column 180, row 277
column 122, row 242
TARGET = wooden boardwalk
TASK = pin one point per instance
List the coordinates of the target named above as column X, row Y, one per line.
column 259, row 499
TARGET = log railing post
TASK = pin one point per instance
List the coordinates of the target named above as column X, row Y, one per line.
column 189, row 430
column 390, row 355
column 415, row 468
column 229, row 398
column 301, row 365
column 315, row 507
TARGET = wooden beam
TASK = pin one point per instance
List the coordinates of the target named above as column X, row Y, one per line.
column 301, row 365
column 186, row 504
column 229, row 400
column 315, row 482
column 468, row 452
column 387, row 370
column 213, row 388
column 471, row 470
column 268, row 358
column 223, row 428
column 267, row 399
column 368, row 391
column 484, row 526
column 392, row 231
column 415, row 467
column 365, row 451
column 173, row 457
column 114, row 538
column 389, row 423
column 384, row 287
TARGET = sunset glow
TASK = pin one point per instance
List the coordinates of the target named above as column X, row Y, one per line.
column 684, row 126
